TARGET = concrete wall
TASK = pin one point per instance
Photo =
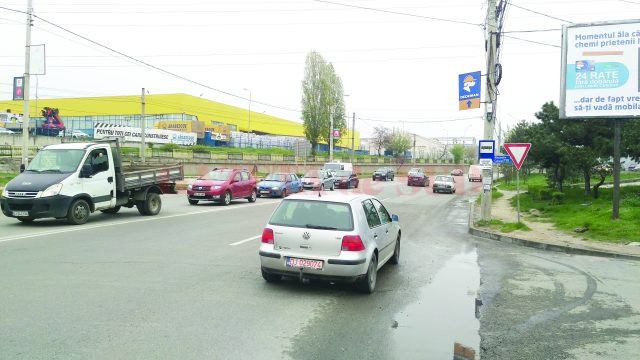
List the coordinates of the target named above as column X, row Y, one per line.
column 38, row 141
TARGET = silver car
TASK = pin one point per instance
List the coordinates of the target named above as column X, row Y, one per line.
column 334, row 237
column 444, row 183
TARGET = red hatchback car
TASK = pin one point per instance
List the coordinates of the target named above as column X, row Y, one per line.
column 223, row 185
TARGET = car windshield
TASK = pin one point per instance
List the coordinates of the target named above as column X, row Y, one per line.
column 56, row 160
column 381, row 170
column 414, row 171
column 314, row 215
column 219, row 175
column 343, row 173
column 313, row 174
column 441, row 178
column 275, row 177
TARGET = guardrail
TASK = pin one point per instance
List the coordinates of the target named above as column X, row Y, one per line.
column 235, row 156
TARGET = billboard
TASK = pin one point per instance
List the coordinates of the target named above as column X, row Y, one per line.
column 600, row 77
column 469, row 90
column 156, row 136
column 182, row 126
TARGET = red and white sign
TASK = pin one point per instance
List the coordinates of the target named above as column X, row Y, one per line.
column 336, row 133
column 517, row 152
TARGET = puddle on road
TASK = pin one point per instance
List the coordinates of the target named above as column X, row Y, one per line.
column 444, row 316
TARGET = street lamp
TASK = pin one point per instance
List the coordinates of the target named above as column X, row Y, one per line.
column 245, row 89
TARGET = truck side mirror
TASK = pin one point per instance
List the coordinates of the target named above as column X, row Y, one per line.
column 22, row 167
column 86, row 171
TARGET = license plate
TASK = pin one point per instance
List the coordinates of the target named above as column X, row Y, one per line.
column 198, row 194
column 20, row 213
column 304, row 263
column 265, row 192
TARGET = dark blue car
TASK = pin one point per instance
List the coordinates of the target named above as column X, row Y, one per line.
column 279, row 184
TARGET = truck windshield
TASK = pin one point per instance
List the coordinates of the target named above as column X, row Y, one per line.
column 219, row 175
column 56, row 160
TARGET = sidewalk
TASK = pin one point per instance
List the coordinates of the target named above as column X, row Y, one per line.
column 545, row 235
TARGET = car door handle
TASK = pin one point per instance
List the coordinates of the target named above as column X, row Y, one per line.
column 110, row 179
column 375, row 236
column 386, row 231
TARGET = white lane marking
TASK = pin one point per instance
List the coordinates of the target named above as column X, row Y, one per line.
column 151, row 218
column 245, row 240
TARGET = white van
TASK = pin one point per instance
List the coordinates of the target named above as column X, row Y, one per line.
column 338, row 166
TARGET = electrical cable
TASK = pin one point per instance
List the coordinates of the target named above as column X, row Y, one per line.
column 542, row 14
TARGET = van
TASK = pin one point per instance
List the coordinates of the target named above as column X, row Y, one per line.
column 338, row 166
column 475, row 173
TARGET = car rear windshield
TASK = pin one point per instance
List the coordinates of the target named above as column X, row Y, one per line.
column 220, row 175
column 313, row 214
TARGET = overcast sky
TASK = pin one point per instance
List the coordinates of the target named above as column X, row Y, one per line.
column 398, row 70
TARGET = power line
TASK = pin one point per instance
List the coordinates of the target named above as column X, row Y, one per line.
column 528, row 31
column 531, row 41
column 630, row 2
column 419, row 122
column 539, row 13
column 151, row 65
column 399, row 13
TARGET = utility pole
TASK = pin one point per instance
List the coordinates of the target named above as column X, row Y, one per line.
column 142, row 128
column 490, row 98
column 413, row 156
column 331, row 134
column 25, row 111
column 353, row 139
column 617, row 131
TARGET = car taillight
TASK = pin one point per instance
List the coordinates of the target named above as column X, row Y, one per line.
column 352, row 243
column 267, row 236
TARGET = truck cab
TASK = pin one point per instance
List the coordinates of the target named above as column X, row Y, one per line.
column 70, row 181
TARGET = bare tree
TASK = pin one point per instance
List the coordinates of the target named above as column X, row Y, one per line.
column 381, row 138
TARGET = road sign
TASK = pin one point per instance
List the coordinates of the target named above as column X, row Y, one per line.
column 485, row 163
column 336, row 133
column 18, row 88
column 600, row 70
column 517, row 152
column 502, row 159
column 486, row 149
column 469, row 90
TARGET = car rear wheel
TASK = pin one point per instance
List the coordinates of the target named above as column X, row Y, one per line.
column 395, row 259
column 253, row 196
column 269, row 277
column 367, row 284
column 193, row 202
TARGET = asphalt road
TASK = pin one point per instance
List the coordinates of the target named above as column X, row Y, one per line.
column 186, row 284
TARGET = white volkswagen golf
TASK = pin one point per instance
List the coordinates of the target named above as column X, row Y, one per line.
column 334, row 237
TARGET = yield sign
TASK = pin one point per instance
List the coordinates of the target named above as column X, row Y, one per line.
column 517, row 152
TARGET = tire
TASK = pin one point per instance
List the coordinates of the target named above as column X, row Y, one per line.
column 322, row 187
column 434, row 191
column 284, row 193
column 25, row 219
column 227, row 198
column 395, row 259
column 253, row 196
column 357, row 183
column 113, row 210
column 424, row 184
column 333, row 186
column 367, row 284
column 79, row 212
column 408, row 184
column 193, row 202
column 150, row 206
column 269, row 277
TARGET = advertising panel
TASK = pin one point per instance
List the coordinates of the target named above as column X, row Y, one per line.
column 600, row 77
column 156, row 136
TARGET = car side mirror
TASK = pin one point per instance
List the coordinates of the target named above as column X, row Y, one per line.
column 22, row 167
column 395, row 218
column 86, row 171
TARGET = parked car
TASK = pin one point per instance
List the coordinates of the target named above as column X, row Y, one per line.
column 338, row 166
column 334, row 237
column 279, row 184
column 416, row 177
column 346, row 179
column 318, row 180
column 4, row 131
column 444, row 183
column 475, row 173
column 457, row 172
column 383, row 173
column 223, row 185
column 633, row 167
column 75, row 134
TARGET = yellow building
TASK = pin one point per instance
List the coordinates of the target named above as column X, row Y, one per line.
column 125, row 110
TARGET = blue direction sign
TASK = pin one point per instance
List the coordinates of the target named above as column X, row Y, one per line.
column 502, row 159
column 469, row 90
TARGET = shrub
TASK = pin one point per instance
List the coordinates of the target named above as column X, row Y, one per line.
column 169, row 147
column 557, row 197
column 200, row 149
column 534, row 191
column 545, row 194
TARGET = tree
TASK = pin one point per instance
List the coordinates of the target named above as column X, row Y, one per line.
column 470, row 154
column 322, row 98
column 457, row 151
column 381, row 138
column 399, row 143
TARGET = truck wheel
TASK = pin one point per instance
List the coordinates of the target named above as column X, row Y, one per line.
column 253, row 197
column 193, row 202
column 25, row 219
column 79, row 212
column 226, row 199
column 152, row 204
column 113, row 210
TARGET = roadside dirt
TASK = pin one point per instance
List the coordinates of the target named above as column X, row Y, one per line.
column 546, row 232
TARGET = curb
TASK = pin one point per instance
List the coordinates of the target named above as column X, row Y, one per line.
column 544, row 246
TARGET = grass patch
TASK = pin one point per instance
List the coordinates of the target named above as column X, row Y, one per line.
column 6, row 177
column 504, row 227
column 624, row 175
column 495, row 194
column 525, row 181
column 577, row 210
